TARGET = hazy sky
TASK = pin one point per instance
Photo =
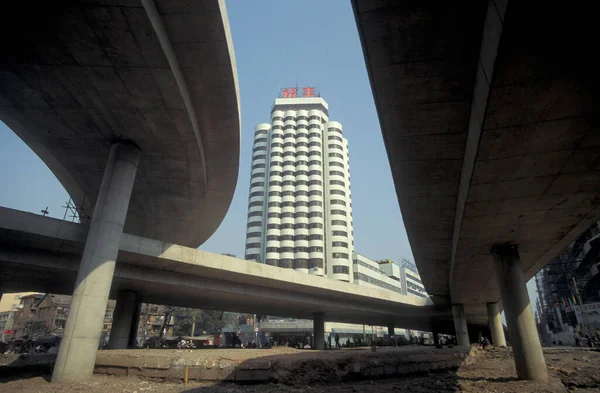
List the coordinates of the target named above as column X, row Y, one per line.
column 277, row 44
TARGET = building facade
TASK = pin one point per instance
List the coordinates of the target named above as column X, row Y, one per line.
column 300, row 203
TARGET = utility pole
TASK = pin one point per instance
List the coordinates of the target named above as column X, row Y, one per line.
column 193, row 323
column 583, row 316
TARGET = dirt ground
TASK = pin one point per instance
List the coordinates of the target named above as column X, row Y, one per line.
column 570, row 370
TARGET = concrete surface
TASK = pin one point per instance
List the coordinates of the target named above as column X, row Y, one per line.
column 84, row 325
column 495, row 325
column 42, row 254
column 488, row 118
column 123, row 320
column 80, row 75
column 460, row 325
column 524, row 337
column 319, row 331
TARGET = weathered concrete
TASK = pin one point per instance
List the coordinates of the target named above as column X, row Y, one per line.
column 124, row 318
column 495, row 325
column 132, row 341
column 83, row 329
column 524, row 339
column 42, row 254
column 83, row 74
column 460, row 325
column 319, row 331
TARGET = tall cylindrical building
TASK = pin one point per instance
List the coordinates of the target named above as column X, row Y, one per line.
column 300, row 204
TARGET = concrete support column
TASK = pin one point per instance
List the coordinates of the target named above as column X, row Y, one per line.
column 527, row 350
column 122, row 320
column 77, row 353
column 460, row 325
column 435, row 334
column 390, row 330
column 135, row 323
column 495, row 325
column 319, row 331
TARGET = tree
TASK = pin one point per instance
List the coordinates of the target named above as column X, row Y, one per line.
column 209, row 321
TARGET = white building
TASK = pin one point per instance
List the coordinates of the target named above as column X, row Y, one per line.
column 300, row 205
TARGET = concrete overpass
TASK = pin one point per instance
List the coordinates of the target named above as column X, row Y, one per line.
column 134, row 106
column 489, row 118
column 42, row 254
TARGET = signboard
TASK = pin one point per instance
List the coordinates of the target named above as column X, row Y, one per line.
column 298, row 92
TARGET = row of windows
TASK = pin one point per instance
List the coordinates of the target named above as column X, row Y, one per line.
column 294, row 249
column 287, row 215
column 336, row 173
column 298, row 263
column 336, row 155
column 414, row 278
column 289, row 226
column 257, row 184
column 277, row 127
column 292, row 193
column 339, row 212
column 374, row 281
column 340, row 233
column 337, row 183
column 415, row 292
column 414, row 286
column 252, row 257
column 255, row 203
column 253, row 234
column 296, row 163
column 364, row 264
column 292, row 183
column 334, row 138
column 339, row 222
column 258, row 166
column 296, row 154
column 334, row 129
column 339, row 244
column 341, row 269
column 260, row 132
column 259, row 157
column 252, row 245
column 294, row 237
column 334, row 146
column 338, row 202
column 259, row 140
column 337, row 192
column 340, row 255
column 339, row 164
column 257, row 193
column 254, row 214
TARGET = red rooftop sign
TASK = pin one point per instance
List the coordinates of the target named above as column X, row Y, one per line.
column 292, row 92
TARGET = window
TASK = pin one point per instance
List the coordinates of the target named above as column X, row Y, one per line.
column 286, row 237
column 274, row 193
column 254, row 224
column 336, row 183
column 289, row 135
column 311, row 126
column 301, row 162
column 339, row 244
column 288, row 173
column 288, row 144
column 336, row 173
column 276, row 136
column 272, row 262
column 314, row 162
column 314, row 153
column 272, row 226
column 274, row 204
column 413, row 278
column 315, row 225
column 272, row 249
column 315, row 172
column 300, row 226
column 300, row 249
column 289, row 153
column 315, row 183
column 287, row 226
column 338, row 164
column 289, row 126
column 277, row 127
column 300, row 144
column 337, row 192
column 275, row 163
column 275, row 173
column 301, row 193
column 276, row 154
column 336, row 155
column 334, row 138
column 315, row 203
column 339, row 222
column 252, row 245
column 253, row 234
column 315, row 249
column 255, row 214
column 315, row 214
column 288, row 193
column 277, row 118
column 314, row 118
column 287, row 215
column 301, row 214
column 302, row 118
column 314, row 135
column 315, row 237
column 301, row 135
column 288, row 183
column 288, row 118
column 286, row 249
column 339, row 233
column 260, row 156
column 301, row 203
column 255, row 203
column 257, row 184
column 286, row 263
column 301, row 263
column 276, row 144
column 301, row 237
column 301, row 173
column 252, row 257
column 315, row 192
column 287, row 204
column 260, row 132
column 274, row 183
column 341, row 269
column 334, row 129
column 257, row 193
column 334, row 146
column 255, row 175
column 272, row 237
column 259, row 140
column 272, row 215
column 312, row 144
column 339, row 212
column 315, row 263
column 338, row 202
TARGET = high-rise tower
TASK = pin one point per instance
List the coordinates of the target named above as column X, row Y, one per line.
column 300, row 209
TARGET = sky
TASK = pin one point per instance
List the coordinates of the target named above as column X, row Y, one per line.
column 277, row 44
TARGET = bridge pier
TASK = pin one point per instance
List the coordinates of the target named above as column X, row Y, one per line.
column 77, row 353
column 123, row 320
column 390, row 330
column 495, row 325
column 460, row 325
column 319, row 331
column 527, row 350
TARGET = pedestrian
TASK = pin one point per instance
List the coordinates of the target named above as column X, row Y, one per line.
column 337, row 341
column 329, row 341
